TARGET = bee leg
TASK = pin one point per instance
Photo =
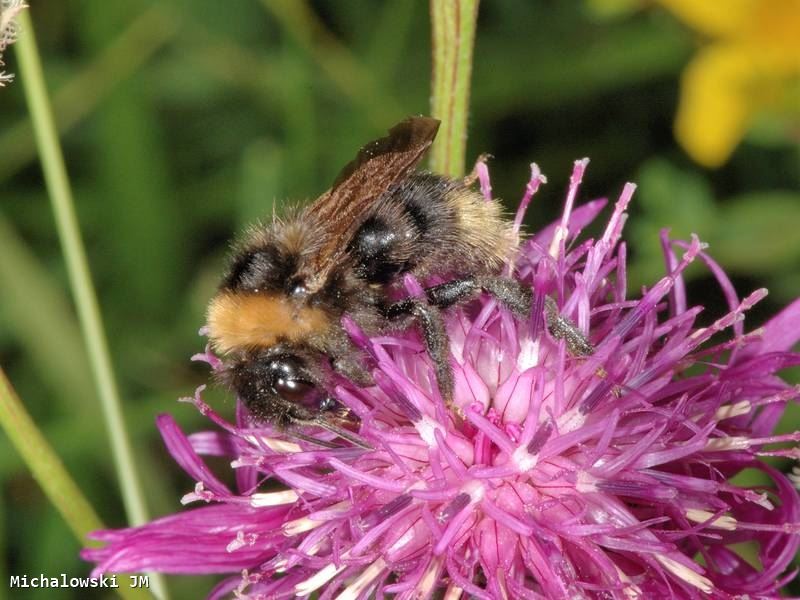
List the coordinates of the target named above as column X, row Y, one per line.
column 352, row 370
column 345, row 359
column 561, row 328
column 510, row 293
column 436, row 342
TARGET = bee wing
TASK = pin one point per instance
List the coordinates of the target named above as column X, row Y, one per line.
column 377, row 166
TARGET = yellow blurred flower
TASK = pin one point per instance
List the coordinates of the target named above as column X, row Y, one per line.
column 751, row 64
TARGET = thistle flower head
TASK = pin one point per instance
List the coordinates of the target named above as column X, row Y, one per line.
column 593, row 457
column 9, row 9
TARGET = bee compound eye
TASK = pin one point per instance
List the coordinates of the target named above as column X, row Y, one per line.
column 300, row 392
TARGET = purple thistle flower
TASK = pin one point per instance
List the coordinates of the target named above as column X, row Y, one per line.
column 593, row 460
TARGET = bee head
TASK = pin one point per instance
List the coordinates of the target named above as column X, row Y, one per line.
column 278, row 387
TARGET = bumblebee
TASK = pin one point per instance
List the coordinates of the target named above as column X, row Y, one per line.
column 277, row 315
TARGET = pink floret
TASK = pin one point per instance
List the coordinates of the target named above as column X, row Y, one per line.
column 606, row 474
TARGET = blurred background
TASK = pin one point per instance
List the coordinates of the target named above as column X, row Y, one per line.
column 183, row 121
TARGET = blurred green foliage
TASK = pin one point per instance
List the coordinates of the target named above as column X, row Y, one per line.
column 185, row 120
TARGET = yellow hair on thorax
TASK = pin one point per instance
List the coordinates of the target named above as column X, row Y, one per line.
column 246, row 321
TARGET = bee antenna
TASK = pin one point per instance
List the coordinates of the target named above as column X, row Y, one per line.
column 342, row 433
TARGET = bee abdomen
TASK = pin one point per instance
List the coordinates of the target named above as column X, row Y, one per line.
column 458, row 231
column 380, row 250
column 430, row 225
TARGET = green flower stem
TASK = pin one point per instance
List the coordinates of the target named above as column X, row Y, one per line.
column 55, row 174
column 46, row 467
column 453, row 39
column 80, row 280
column 49, row 472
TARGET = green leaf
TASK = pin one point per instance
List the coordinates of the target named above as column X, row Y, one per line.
column 679, row 199
column 260, row 182
column 36, row 310
column 758, row 232
column 670, row 198
column 612, row 9
column 783, row 286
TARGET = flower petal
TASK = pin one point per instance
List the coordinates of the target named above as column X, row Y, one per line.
column 202, row 540
column 716, row 104
column 715, row 19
